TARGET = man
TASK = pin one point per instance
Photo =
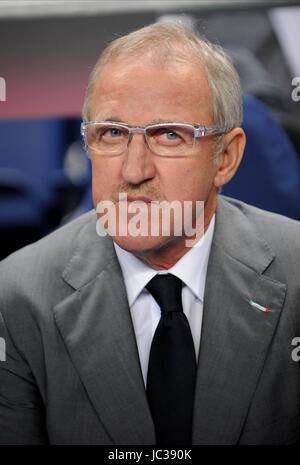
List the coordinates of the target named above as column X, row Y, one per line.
column 140, row 338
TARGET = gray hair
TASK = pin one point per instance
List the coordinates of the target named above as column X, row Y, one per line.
column 163, row 42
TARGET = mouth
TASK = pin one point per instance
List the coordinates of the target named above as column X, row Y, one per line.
column 139, row 198
column 123, row 197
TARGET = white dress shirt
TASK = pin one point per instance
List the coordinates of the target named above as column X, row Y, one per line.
column 145, row 312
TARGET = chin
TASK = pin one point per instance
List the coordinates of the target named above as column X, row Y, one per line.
column 141, row 244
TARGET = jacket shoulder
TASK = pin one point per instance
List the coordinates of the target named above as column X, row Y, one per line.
column 53, row 248
column 280, row 232
column 36, row 269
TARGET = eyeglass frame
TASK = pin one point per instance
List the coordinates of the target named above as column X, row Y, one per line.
column 200, row 131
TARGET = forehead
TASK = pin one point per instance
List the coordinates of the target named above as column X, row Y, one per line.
column 139, row 92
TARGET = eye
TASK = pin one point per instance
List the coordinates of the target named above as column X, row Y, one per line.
column 166, row 136
column 171, row 135
column 112, row 132
column 106, row 134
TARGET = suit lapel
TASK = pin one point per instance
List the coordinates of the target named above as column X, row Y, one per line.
column 235, row 335
column 96, row 326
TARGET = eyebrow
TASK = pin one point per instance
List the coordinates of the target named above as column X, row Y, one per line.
column 115, row 119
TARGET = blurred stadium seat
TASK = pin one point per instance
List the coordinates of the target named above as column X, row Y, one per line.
column 269, row 175
column 36, row 190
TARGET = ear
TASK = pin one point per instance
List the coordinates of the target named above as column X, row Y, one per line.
column 230, row 157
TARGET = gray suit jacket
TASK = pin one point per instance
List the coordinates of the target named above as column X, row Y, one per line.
column 72, row 372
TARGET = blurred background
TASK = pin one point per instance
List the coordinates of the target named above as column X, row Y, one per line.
column 47, row 51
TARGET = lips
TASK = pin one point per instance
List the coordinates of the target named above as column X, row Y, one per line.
column 124, row 197
column 139, row 198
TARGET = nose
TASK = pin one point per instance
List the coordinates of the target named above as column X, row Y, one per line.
column 138, row 165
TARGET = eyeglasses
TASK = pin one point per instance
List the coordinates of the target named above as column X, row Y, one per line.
column 108, row 138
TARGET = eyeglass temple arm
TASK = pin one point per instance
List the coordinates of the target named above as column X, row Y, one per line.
column 202, row 131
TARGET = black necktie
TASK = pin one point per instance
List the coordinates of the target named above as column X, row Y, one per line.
column 172, row 365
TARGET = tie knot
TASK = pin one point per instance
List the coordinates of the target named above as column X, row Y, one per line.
column 166, row 290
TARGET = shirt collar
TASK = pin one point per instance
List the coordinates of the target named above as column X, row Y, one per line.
column 191, row 268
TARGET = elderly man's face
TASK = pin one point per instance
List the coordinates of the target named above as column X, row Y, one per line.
column 140, row 94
